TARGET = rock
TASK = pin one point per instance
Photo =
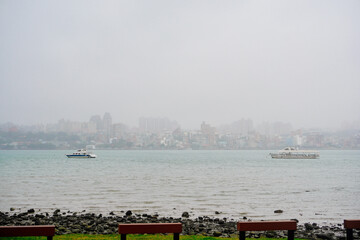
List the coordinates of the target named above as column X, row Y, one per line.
column 31, row 210
column 308, row 227
column 12, row 209
column 216, row 212
column 56, row 212
column 112, row 213
column 128, row 213
column 278, row 211
column 270, row 234
column 217, row 234
column 89, row 223
column 39, row 216
column 326, row 236
column 315, row 226
column 185, row 215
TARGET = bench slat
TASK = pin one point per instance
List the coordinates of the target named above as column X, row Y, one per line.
column 352, row 223
column 266, row 225
column 140, row 228
column 23, row 231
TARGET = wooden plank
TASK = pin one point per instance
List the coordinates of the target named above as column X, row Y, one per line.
column 266, row 225
column 23, row 231
column 140, row 228
column 352, row 223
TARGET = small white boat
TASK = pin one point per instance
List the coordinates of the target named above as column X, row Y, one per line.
column 294, row 153
column 81, row 153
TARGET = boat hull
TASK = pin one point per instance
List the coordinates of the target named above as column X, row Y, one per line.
column 80, row 156
column 291, row 156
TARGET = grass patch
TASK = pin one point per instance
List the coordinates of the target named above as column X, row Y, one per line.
column 129, row 237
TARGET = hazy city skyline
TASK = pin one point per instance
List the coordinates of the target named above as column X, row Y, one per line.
column 289, row 61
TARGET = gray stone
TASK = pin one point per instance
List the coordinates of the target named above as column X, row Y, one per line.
column 185, row 215
column 217, row 234
column 326, row 236
column 31, row 210
column 308, row 227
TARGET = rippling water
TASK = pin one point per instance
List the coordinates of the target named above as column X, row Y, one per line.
column 234, row 183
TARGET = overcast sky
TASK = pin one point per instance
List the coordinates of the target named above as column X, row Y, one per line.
column 190, row 61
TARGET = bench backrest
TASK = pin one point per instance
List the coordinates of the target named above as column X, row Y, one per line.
column 140, row 228
column 23, row 231
column 266, row 225
column 352, row 224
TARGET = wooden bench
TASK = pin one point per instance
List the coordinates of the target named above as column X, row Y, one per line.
column 28, row 231
column 151, row 228
column 349, row 225
column 291, row 226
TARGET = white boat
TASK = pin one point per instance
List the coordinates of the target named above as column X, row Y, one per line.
column 294, row 153
column 81, row 153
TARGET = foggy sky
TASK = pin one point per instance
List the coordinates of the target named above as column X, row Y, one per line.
column 190, row 61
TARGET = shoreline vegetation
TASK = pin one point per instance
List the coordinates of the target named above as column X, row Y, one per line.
column 69, row 223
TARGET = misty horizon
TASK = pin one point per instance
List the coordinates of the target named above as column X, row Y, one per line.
column 294, row 62
column 344, row 125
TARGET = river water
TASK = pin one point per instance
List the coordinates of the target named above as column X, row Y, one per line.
column 236, row 184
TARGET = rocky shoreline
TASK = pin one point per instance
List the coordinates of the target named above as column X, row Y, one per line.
column 90, row 223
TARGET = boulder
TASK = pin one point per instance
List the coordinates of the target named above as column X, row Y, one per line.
column 185, row 215
column 326, row 236
column 217, row 234
column 31, row 210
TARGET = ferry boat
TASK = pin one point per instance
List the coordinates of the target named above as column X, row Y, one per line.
column 294, row 153
column 81, row 153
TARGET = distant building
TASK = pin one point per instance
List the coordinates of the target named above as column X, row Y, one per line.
column 243, row 127
column 157, row 125
column 274, row 129
column 208, row 139
column 89, row 128
column 240, row 127
column 119, row 130
column 107, row 125
column 314, row 139
column 297, row 140
column 96, row 119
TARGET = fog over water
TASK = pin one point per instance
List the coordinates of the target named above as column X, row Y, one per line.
column 190, row 61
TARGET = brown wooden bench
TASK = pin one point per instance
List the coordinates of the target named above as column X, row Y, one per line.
column 28, row 231
column 151, row 228
column 349, row 225
column 291, row 226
